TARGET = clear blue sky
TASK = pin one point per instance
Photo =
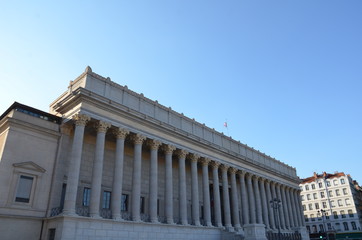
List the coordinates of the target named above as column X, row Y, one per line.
column 287, row 75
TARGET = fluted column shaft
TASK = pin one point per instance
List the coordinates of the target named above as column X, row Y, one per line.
column 259, row 216
column 206, row 191
column 270, row 210
column 294, row 208
column 75, row 160
column 136, row 177
column 234, row 199
column 274, row 195
column 285, row 207
column 281, row 210
column 182, row 187
column 225, row 195
column 195, row 190
column 265, row 204
column 244, row 199
column 300, row 209
column 168, row 181
column 154, row 146
column 216, row 191
column 97, row 170
column 118, row 174
column 251, row 199
column 290, row 210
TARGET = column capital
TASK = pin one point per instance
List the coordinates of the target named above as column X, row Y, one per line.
column 205, row 161
column 194, row 157
column 256, row 177
column 154, row 144
column 65, row 129
column 242, row 173
column 233, row 170
column 138, row 138
column 168, row 148
column 81, row 119
column 102, row 126
column 263, row 180
column 121, row 133
column 224, row 167
column 215, row 164
column 181, row 153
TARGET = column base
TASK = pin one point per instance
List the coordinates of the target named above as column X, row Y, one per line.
column 254, row 232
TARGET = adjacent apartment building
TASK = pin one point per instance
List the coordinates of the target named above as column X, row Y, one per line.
column 331, row 202
column 109, row 163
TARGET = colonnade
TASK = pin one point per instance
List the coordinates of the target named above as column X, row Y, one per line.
column 250, row 204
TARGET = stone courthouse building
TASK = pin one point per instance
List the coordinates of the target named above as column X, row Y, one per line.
column 109, row 163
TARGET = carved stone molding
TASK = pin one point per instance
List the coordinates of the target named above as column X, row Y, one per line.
column 138, row 138
column 224, row 167
column 168, row 148
column 241, row 173
column 102, row 127
column 181, row 153
column 233, row 170
column 121, row 133
column 81, row 119
column 154, row 144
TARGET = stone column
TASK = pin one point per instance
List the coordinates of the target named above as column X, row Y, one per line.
column 182, row 186
column 97, row 170
column 281, row 210
column 154, row 145
column 118, row 173
column 251, row 199
column 270, row 209
column 294, row 207
column 244, row 198
column 206, row 192
column 136, row 177
column 234, row 199
column 225, row 196
column 195, row 190
column 265, row 203
column 274, row 195
column 259, row 215
column 290, row 210
column 169, row 183
column 216, row 191
column 285, row 207
column 74, row 167
column 300, row 209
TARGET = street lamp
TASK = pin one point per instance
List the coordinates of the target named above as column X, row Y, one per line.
column 275, row 204
column 324, row 214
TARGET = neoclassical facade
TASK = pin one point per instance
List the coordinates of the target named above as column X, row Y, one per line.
column 121, row 166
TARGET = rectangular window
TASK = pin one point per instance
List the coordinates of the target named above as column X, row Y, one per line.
column 343, row 215
column 350, row 213
column 310, row 206
column 106, row 203
column 330, row 193
column 51, row 234
column 322, row 195
column 320, row 185
column 306, row 218
column 313, row 186
column 124, row 203
column 142, row 205
column 304, row 208
column 24, row 189
column 324, row 204
column 335, row 215
column 315, row 196
column 328, row 183
column 316, row 205
column 340, row 203
column 345, row 191
column 342, row 181
column 345, row 225
column 306, row 187
column 337, row 192
column 332, row 203
column 348, row 202
column 308, row 196
column 335, row 182
column 354, row 226
column 86, row 196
